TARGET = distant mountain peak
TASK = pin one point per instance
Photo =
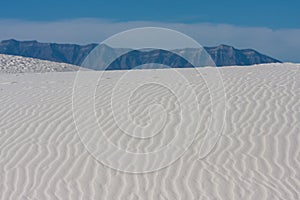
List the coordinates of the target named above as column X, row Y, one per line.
column 225, row 46
column 225, row 55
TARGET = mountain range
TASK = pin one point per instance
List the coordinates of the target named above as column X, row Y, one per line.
column 222, row 55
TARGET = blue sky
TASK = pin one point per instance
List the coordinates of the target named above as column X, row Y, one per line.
column 271, row 27
column 271, row 14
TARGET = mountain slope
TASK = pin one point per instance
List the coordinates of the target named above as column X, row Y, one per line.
column 225, row 55
column 67, row 53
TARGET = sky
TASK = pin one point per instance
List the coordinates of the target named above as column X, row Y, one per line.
column 271, row 27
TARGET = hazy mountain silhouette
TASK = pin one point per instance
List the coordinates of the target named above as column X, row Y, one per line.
column 222, row 55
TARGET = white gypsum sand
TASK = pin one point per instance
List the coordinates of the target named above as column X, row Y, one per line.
column 257, row 156
column 19, row 64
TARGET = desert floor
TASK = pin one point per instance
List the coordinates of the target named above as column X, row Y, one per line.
column 42, row 155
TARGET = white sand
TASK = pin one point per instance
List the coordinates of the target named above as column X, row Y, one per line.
column 257, row 156
column 19, row 64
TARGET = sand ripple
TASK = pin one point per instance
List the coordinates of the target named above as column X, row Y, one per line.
column 257, row 156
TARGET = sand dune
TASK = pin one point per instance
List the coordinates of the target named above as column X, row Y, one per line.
column 257, row 156
column 19, row 64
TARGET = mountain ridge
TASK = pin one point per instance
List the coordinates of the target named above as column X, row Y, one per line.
column 222, row 55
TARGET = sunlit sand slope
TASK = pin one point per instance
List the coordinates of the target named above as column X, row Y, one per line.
column 256, row 157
